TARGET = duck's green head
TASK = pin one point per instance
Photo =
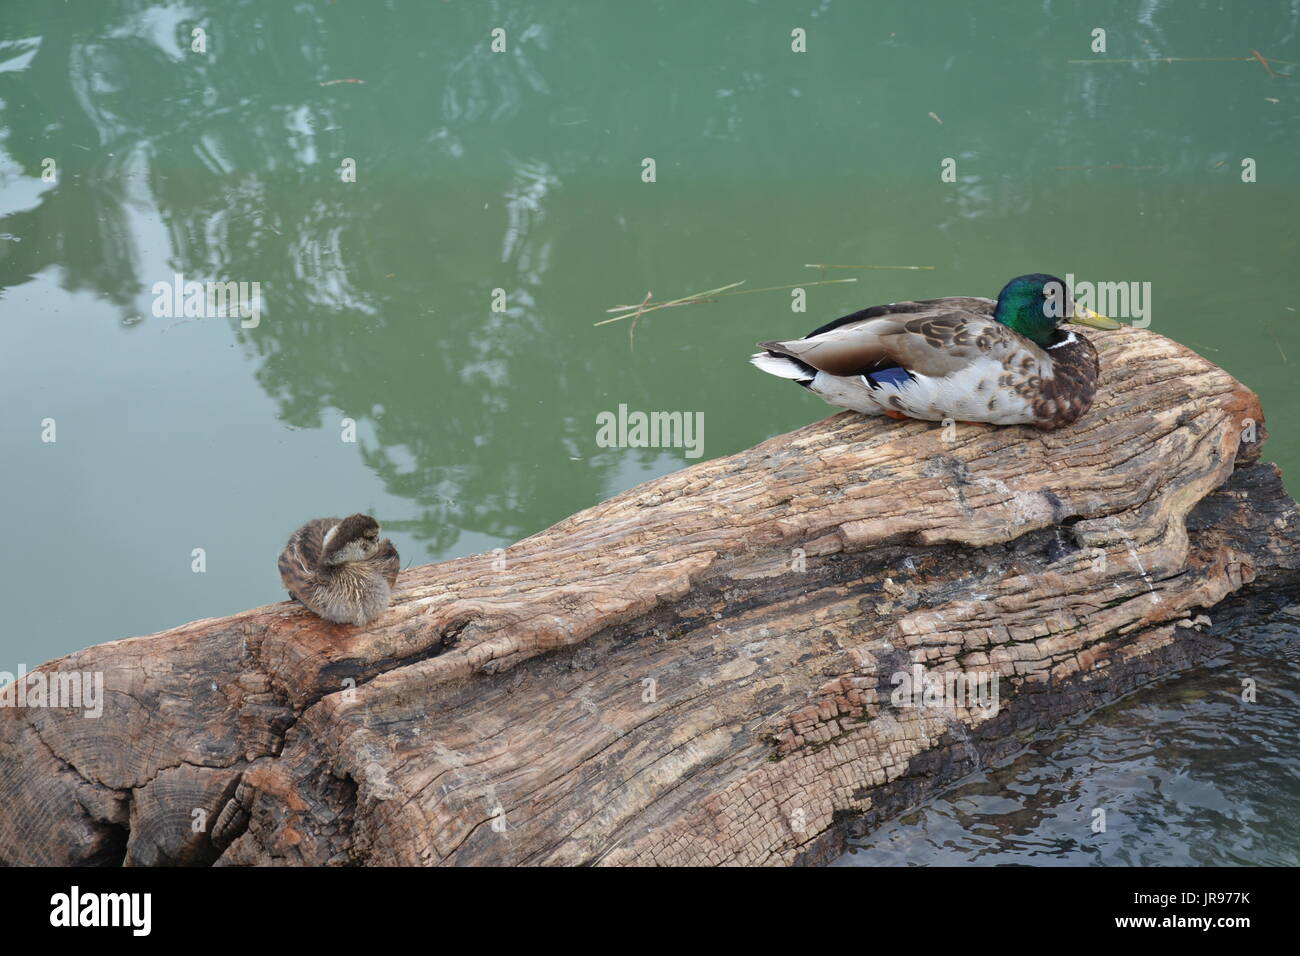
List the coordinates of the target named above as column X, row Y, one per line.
column 1036, row 305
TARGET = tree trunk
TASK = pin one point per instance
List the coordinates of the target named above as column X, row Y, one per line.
column 697, row 671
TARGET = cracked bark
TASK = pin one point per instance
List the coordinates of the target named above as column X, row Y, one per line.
column 503, row 715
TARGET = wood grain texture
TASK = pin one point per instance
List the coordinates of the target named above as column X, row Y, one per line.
column 697, row 670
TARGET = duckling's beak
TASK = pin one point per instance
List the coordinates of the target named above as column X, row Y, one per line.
column 1094, row 320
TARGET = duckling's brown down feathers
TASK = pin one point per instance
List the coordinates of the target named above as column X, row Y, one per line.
column 347, row 593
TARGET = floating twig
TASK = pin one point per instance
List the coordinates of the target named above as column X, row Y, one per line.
column 1264, row 63
column 631, row 329
column 1167, row 59
column 1111, row 166
column 684, row 300
column 796, row 285
column 1255, row 57
column 827, row 265
column 711, row 295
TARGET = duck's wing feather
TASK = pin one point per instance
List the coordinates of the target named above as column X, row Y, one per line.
column 935, row 338
column 954, row 303
column 301, row 556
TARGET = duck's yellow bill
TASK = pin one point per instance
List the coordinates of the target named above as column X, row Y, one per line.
column 1094, row 320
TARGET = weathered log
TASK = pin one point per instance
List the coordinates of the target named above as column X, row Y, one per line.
column 697, row 670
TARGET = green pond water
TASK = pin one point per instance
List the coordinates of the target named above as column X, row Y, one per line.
column 522, row 171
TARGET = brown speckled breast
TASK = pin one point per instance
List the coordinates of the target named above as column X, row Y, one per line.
column 1067, row 395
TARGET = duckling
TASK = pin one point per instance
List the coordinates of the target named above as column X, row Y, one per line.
column 340, row 569
column 1007, row 362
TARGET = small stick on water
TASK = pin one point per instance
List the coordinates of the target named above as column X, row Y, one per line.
column 712, row 295
column 631, row 329
column 1111, row 166
column 797, row 285
column 693, row 300
column 1169, row 59
column 684, row 300
column 1264, row 63
column 1255, row 57
column 827, row 265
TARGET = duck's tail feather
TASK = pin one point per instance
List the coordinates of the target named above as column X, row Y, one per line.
column 784, row 367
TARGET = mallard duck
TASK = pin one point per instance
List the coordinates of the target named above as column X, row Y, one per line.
column 1008, row 362
column 340, row 568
